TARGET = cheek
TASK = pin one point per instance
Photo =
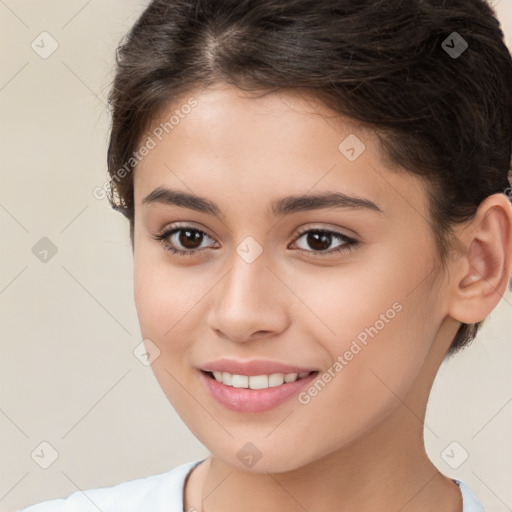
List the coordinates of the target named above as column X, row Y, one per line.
column 167, row 300
column 164, row 303
column 372, row 322
column 357, row 302
column 373, row 366
column 156, row 296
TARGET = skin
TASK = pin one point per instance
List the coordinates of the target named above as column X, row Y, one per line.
column 358, row 444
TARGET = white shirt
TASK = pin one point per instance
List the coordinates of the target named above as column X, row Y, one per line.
column 161, row 493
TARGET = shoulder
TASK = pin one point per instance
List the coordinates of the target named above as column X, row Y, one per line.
column 156, row 493
column 470, row 503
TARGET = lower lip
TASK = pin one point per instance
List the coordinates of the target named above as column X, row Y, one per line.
column 253, row 400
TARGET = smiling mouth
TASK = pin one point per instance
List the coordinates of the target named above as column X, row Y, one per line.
column 256, row 381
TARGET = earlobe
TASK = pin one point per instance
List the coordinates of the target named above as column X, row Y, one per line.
column 481, row 276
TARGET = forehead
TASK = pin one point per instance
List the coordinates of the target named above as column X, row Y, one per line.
column 220, row 109
column 221, row 140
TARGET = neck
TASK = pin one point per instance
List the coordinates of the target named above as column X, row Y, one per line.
column 384, row 471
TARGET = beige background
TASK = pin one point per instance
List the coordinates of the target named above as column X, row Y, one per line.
column 69, row 326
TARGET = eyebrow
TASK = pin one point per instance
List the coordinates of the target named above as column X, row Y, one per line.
column 284, row 206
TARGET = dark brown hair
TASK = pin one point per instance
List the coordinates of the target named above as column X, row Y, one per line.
column 441, row 110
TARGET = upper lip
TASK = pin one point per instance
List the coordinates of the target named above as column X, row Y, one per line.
column 252, row 367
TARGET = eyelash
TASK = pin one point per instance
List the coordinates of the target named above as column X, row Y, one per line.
column 349, row 244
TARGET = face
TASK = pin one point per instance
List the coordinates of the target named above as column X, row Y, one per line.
column 341, row 288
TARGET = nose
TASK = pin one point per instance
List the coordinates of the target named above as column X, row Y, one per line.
column 249, row 302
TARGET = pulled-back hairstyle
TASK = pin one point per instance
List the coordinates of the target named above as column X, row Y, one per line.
column 445, row 117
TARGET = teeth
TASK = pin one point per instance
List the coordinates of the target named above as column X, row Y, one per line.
column 240, row 381
column 257, row 381
column 276, row 379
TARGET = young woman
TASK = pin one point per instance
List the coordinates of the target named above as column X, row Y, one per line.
column 319, row 210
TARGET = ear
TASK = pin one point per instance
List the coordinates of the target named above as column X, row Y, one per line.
column 480, row 276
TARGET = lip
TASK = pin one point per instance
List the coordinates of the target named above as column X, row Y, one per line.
column 252, row 367
column 247, row 400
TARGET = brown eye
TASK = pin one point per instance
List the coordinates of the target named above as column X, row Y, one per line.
column 188, row 238
column 319, row 241
column 184, row 241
